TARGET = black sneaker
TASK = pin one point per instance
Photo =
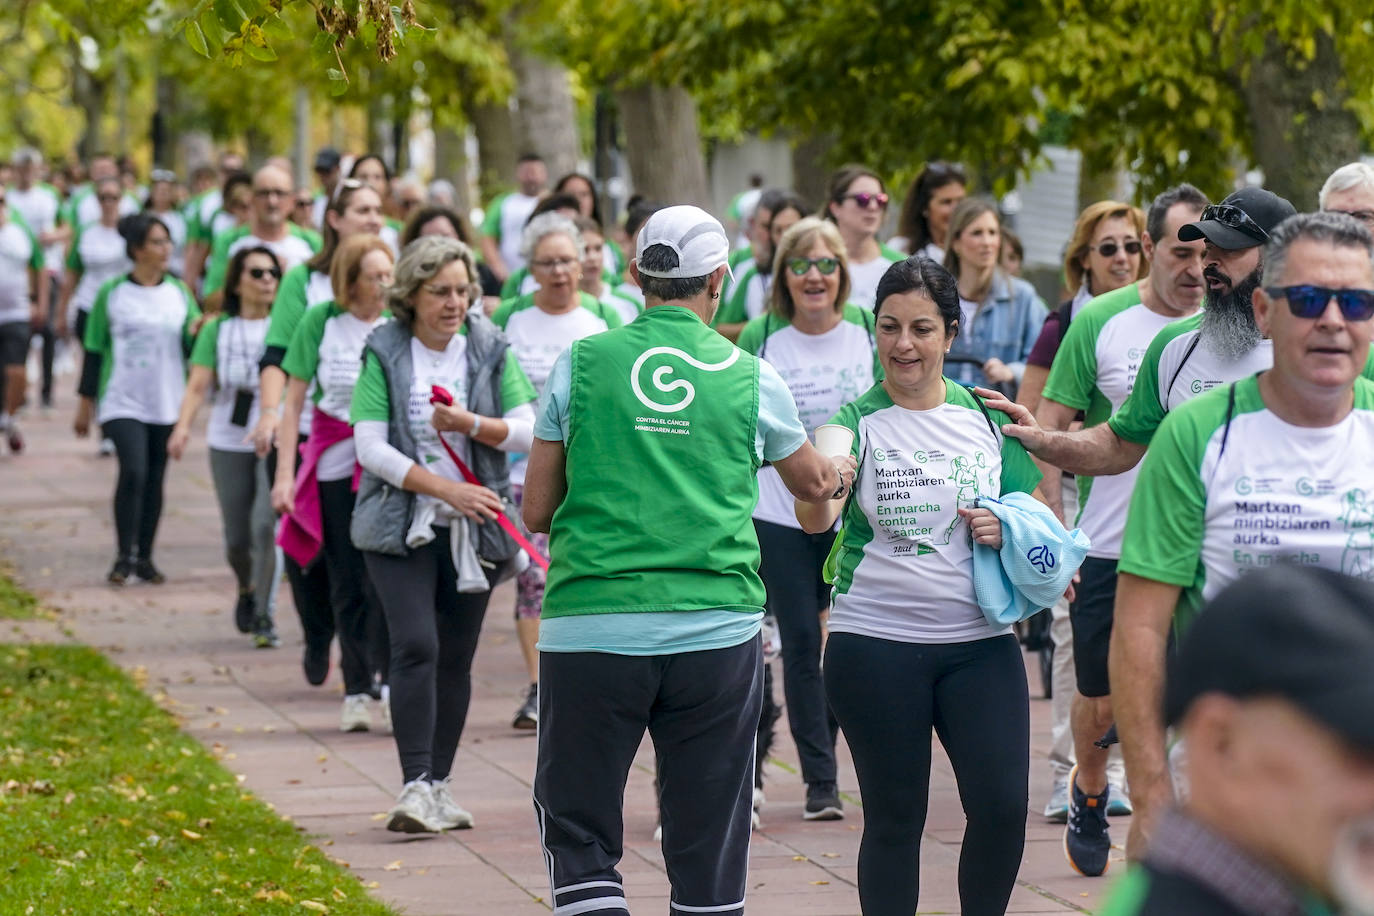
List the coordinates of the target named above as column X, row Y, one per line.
column 822, row 802
column 244, row 611
column 120, row 572
column 528, row 714
column 146, row 571
column 1086, row 843
column 315, row 661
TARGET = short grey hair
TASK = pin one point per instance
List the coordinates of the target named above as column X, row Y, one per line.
column 661, row 257
column 1337, row 229
column 545, row 225
column 1347, row 178
column 420, row 261
column 26, row 155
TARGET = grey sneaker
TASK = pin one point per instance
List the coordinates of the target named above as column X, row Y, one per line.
column 1057, row 808
column 355, row 717
column 527, row 716
column 448, row 814
column 414, row 811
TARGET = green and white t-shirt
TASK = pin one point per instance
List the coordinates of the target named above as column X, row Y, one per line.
column 300, row 289
column 1178, row 366
column 904, row 569
column 232, row 347
column 140, row 333
column 864, row 278
column 627, row 307
column 296, row 247
column 40, row 205
column 327, row 348
column 19, row 253
column 1202, row 515
column 1094, row 372
column 82, row 208
column 505, row 221
column 99, row 254
column 745, row 297
column 823, row 371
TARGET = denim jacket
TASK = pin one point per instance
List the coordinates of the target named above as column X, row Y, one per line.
column 1005, row 326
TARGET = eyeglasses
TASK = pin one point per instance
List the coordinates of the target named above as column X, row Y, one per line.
column 866, row 201
column 802, row 266
column 1364, row 216
column 1310, row 301
column 448, row 292
column 1109, row 249
column 107, row 198
column 1237, row 219
column 270, row 192
column 552, row 264
column 258, row 273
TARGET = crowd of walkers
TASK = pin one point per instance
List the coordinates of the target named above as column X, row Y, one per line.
column 674, row 447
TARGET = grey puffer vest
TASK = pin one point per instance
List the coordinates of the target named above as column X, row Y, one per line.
column 382, row 513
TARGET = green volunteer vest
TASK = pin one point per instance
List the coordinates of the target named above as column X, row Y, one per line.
column 661, row 466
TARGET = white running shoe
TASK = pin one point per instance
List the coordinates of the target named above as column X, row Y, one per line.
column 448, row 814
column 414, row 811
column 355, row 717
column 384, row 710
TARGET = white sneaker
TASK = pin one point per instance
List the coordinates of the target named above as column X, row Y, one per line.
column 384, row 710
column 355, row 717
column 414, row 811
column 1057, row 808
column 448, row 814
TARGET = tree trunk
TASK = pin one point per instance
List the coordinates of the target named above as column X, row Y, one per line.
column 1301, row 128
column 492, row 123
column 1095, row 184
column 300, row 138
column 90, row 94
column 545, row 117
column 811, row 168
column 451, row 160
column 663, row 145
column 165, row 153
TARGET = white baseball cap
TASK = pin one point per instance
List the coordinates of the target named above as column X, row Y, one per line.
column 696, row 236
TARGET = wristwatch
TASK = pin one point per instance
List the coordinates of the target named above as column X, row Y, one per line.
column 839, row 491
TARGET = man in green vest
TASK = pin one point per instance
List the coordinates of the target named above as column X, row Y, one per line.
column 643, row 473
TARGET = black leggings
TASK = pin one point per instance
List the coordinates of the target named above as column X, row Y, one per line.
column 434, row 631
column 142, row 451
column 888, row 696
column 790, row 566
column 363, row 649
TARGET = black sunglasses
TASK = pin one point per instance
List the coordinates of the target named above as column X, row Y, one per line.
column 1109, row 249
column 1237, row 219
column 257, row 273
column 1310, row 301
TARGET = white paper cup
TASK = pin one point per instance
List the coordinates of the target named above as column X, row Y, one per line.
column 833, row 440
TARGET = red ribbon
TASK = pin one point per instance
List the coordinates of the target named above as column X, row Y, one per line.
column 439, row 395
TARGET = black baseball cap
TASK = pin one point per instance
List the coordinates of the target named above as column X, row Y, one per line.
column 327, row 159
column 1243, row 220
column 1296, row 632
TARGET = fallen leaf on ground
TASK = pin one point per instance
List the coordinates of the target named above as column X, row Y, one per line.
column 392, row 866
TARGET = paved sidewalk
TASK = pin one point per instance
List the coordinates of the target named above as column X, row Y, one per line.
column 253, row 709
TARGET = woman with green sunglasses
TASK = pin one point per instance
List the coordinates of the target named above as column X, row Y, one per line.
column 822, row 346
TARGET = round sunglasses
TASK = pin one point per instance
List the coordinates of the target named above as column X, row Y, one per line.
column 1310, row 301
column 801, row 266
column 1109, row 249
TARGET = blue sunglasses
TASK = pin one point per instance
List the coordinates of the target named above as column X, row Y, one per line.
column 1310, row 301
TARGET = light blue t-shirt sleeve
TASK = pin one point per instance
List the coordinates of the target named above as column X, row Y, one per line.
column 780, row 431
column 552, row 423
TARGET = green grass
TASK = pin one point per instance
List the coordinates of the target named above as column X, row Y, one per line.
column 15, row 603
column 106, row 807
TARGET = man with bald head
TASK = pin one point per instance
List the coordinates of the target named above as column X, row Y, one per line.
column 267, row 225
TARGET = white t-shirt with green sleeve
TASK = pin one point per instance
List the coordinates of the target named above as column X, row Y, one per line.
column 1094, row 371
column 231, row 347
column 823, row 371
column 19, row 253
column 505, row 221
column 904, row 568
column 327, row 347
column 99, row 253
column 864, row 278
column 1217, row 499
column 627, row 307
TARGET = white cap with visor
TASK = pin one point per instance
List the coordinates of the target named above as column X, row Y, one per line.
column 694, row 235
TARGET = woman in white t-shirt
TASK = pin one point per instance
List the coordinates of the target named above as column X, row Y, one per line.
column 540, row 326
column 823, row 349
column 857, row 205
column 595, row 278
column 162, row 204
column 909, row 651
column 923, row 225
column 226, row 357
column 98, row 254
column 137, row 336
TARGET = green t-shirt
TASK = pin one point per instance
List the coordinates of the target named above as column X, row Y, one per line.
column 300, row 289
column 299, row 245
column 1227, row 487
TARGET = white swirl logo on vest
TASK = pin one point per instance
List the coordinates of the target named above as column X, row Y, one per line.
column 689, row 390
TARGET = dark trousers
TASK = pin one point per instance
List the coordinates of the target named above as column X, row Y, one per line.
column 790, row 565
column 702, row 711
column 309, row 585
column 434, row 631
column 888, row 697
column 49, row 337
column 142, row 452
column 363, row 647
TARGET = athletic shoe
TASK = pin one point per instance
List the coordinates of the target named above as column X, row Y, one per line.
column 1057, row 808
column 106, row 449
column 414, row 811
column 265, row 634
column 658, row 833
column 1086, row 843
column 15, row 439
column 355, row 716
column 315, row 662
column 528, row 714
column 146, row 571
column 120, row 572
column 1120, row 804
column 822, row 802
column 245, row 610
column 448, row 814
column 384, row 711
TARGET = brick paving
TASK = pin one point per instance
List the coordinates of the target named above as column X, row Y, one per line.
column 253, row 709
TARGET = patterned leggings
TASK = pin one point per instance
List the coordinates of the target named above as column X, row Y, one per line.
column 529, row 585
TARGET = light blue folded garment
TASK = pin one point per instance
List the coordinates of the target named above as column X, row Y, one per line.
column 1035, row 565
